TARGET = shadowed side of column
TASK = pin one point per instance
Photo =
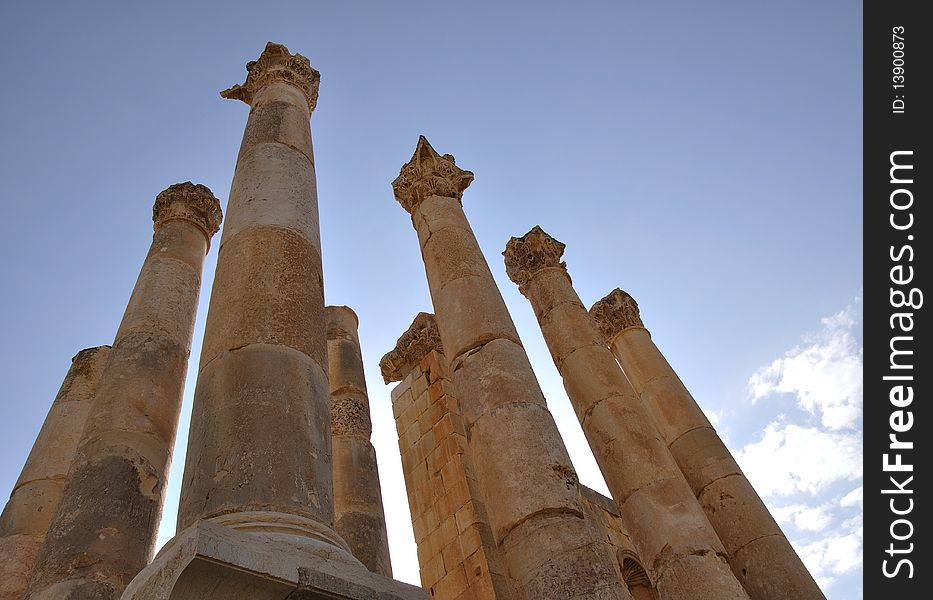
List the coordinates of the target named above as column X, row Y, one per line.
column 104, row 530
column 359, row 517
column 38, row 491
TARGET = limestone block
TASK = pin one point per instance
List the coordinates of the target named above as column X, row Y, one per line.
column 566, row 328
column 275, row 382
column 274, row 185
column 276, row 119
column 548, row 289
column 494, row 375
column 500, row 443
column 451, row 253
column 736, row 511
column 767, row 571
column 468, row 299
column 19, row 553
column 145, row 382
column 275, row 295
column 674, row 407
column 629, row 444
column 598, row 379
column 558, row 556
column 438, row 212
column 208, row 561
column 701, row 576
column 703, row 458
column 147, row 311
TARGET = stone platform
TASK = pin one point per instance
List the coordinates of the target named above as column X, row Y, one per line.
column 208, row 561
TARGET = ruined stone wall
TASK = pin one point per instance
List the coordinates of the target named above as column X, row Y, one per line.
column 604, row 514
column 456, row 551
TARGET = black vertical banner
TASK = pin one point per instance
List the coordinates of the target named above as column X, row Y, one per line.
column 897, row 163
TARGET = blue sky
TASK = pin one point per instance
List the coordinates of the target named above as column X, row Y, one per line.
column 706, row 157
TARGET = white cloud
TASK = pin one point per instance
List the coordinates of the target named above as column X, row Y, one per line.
column 713, row 416
column 791, row 458
column 804, row 517
column 825, row 374
column 805, row 456
column 833, row 555
column 853, row 498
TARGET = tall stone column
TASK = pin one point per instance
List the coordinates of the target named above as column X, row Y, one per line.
column 520, row 459
column 666, row 523
column 104, row 530
column 256, row 514
column 759, row 553
column 26, row 518
column 359, row 516
column 259, row 447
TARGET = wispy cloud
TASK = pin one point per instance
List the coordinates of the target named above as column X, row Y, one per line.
column 812, row 446
column 824, row 374
column 791, row 458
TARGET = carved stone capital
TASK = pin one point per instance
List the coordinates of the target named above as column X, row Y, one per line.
column 530, row 253
column 616, row 312
column 420, row 339
column 429, row 174
column 191, row 202
column 277, row 64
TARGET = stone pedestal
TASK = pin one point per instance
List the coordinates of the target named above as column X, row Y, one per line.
column 104, row 530
column 209, row 561
column 759, row 553
column 670, row 530
column 359, row 517
column 537, row 518
column 35, row 497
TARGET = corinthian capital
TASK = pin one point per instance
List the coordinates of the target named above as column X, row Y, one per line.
column 616, row 312
column 534, row 251
column 420, row 339
column 429, row 174
column 277, row 64
column 191, row 202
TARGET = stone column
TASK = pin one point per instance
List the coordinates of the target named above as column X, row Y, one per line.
column 667, row 525
column 25, row 520
column 105, row 528
column 359, row 516
column 760, row 555
column 259, row 447
column 256, row 514
column 520, row 459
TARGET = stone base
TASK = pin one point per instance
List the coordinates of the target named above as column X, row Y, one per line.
column 208, row 561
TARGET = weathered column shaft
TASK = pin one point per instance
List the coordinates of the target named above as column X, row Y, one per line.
column 759, row 553
column 667, row 525
column 104, row 530
column 359, row 516
column 259, row 448
column 520, row 458
column 26, row 518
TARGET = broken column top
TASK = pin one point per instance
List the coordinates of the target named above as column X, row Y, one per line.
column 429, row 174
column 277, row 64
column 420, row 339
column 530, row 253
column 340, row 319
column 191, row 202
column 616, row 312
